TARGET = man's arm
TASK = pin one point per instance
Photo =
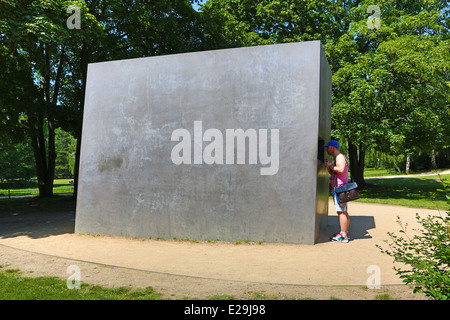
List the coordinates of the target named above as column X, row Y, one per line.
column 340, row 164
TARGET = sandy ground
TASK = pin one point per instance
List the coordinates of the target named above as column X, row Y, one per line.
column 44, row 243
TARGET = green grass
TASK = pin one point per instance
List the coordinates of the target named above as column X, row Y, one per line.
column 15, row 286
column 384, row 297
column 369, row 172
column 59, row 186
column 417, row 192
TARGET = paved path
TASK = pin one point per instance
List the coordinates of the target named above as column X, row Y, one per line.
column 410, row 175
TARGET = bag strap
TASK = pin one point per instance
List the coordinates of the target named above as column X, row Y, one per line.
column 348, row 169
column 336, row 197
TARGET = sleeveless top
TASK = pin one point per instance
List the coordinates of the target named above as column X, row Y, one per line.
column 339, row 179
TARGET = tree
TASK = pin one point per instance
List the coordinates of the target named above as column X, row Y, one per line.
column 247, row 22
column 391, row 89
column 35, row 33
column 56, row 58
column 244, row 23
column 390, row 85
column 420, row 65
column 390, row 81
column 130, row 29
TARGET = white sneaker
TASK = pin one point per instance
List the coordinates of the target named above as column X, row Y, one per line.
column 340, row 238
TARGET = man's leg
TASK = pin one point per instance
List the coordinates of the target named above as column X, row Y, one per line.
column 344, row 221
column 341, row 210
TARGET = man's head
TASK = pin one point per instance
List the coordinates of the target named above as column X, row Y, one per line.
column 332, row 147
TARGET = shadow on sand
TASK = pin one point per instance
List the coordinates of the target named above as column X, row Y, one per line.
column 35, row 218
column 359, row 226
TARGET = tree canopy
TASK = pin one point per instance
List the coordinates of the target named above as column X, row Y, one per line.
column 390, row 62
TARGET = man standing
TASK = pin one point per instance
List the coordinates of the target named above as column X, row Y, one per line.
column 339, row 176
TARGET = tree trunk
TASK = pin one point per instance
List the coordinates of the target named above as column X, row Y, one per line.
column 408, row 163
column 44, row 176
column 51, row 158
column 357, row 163
column 433, row 160
column 46, row 159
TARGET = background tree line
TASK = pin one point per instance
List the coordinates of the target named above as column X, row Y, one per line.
column 390, row 83
column 17, row 164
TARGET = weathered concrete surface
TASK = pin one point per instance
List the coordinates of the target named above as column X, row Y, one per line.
column 137, row 110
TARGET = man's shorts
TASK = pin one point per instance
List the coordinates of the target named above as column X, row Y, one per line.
column 339, row 207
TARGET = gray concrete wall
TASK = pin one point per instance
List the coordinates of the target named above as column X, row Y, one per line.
column 137, row 111
column 323, row 177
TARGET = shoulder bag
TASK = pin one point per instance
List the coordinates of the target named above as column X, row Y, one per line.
column 347, row 192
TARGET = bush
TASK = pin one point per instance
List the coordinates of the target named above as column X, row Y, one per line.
column 427, row 253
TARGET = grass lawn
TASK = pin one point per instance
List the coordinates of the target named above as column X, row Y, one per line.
column 59, row 186
column 14, row 286
column 417, row 192
column 369, row 172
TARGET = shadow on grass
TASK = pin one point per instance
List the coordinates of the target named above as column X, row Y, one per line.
column 418, row 192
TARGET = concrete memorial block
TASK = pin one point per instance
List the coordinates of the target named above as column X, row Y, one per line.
column 223, row 144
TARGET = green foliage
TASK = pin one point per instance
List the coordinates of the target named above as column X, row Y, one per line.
column 390, row 85
column 65, row 147
column 248, row 22
column 426, row 253
column 391, row 88
column 16, row 162
column 44, row 63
